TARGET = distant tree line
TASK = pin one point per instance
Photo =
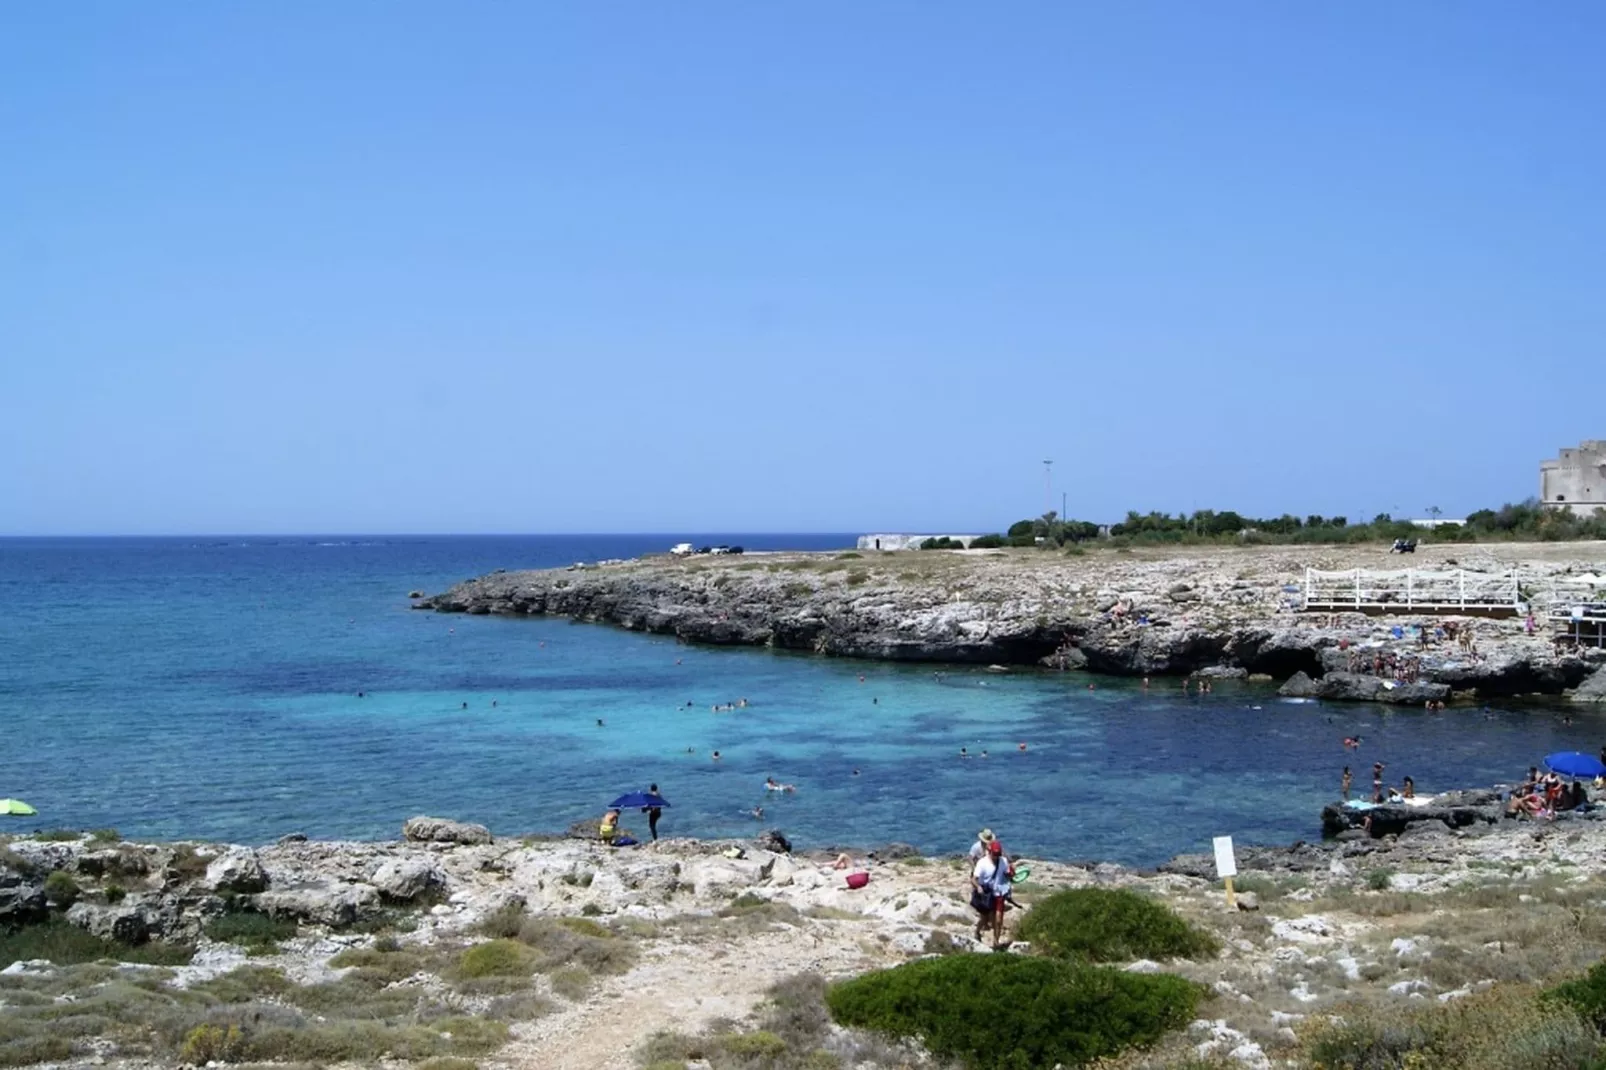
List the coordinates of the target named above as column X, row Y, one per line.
column 1526, row 521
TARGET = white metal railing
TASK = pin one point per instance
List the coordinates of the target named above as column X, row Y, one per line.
column 1411, row 589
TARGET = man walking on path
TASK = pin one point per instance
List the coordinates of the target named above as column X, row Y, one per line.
column 653, row 814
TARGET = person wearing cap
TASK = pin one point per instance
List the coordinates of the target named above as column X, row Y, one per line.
column 979, row 848
column 990, row 889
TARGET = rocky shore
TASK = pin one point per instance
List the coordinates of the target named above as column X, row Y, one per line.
column 1212, row 611
column 568, row 954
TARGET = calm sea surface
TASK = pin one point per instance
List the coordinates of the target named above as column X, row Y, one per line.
column 208, row 688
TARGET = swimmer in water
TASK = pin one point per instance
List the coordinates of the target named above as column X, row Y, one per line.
column 855, row 772
column 1020, row 746
column 756, row 813
column 716, row 756
column 465, row 705
column 964, row 752
column 600, row 724
column 359, row 694
column 984, row 754
column 493, row 702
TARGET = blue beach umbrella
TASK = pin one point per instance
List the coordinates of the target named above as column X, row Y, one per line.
column 638, row 800
column 1575, row 764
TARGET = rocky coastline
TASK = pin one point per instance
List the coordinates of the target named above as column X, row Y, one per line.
column 1439, row 910
column 1208, row 611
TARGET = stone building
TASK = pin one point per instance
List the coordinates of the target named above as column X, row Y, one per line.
column 1577, row 479
column 907, row 542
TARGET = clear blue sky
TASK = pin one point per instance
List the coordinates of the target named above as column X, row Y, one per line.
column 400, row 266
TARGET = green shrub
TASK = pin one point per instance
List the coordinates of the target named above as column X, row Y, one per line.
column 1015, row 1012
column 101, row 837
column 576, row 942
column 761, row 1046
column 1111, row 925
column 988, row 542
column 56, row 835
column 1585, row 995
column 208, row 1043
column 257, row 933
column 496, row 958
column 114, row 893
column 61, row 890
column 27, row 1050
column 1505, row 1028
column 66, row 945
column 1378, row 879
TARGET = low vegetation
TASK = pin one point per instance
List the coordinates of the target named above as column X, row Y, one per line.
column 791, row 1031
column 1111, row 925
column 1506, row 1028
column 1016, row 1011
column 258, row 933
column 67, row 945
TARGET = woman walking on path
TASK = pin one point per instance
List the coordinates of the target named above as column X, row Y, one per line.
column 990, row 888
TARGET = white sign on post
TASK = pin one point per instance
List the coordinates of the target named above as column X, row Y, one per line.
column 1226, row 865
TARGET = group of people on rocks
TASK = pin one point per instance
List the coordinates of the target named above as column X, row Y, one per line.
column 1380, row 794
column 1544, row 796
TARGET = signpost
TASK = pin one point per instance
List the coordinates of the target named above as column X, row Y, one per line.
column 1226, row 866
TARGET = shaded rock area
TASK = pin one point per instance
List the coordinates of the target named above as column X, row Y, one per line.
column 1214, row 611
column 1453, row 809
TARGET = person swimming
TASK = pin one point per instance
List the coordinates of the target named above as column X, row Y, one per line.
column 600, row 724
column 716, row 756
column 771, row 784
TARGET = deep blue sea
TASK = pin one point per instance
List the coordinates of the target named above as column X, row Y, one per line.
column 207, row 687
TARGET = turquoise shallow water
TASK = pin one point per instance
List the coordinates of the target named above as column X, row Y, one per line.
column 207, row 688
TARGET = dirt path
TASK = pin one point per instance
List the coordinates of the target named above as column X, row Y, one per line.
column 680, row 986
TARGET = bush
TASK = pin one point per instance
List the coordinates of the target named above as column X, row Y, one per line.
column 1378, row 879
column 55, row 835
column 209, row 1043
column 61, row 890
column 496, row 958
column 1014, row 1012
column 102, row 837
column 988, row 542
column 1505, row 1028
column 114, row 893
column 258, row 933
column 1586, row 996
column 67, row 945
column 1108, row 925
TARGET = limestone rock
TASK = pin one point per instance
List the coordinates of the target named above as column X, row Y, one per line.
column 442, row 830
column 1591, row 690
column 334, row 903
column 237, row 870
column 126, row 924
column 405, row 879
column 1299, row 685
column 1247, row 900
column 21, row 900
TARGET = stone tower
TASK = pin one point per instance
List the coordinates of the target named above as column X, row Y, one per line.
column 1576, row 480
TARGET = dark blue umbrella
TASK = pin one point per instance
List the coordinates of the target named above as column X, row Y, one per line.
column 1575, row 764
column 638, row 800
